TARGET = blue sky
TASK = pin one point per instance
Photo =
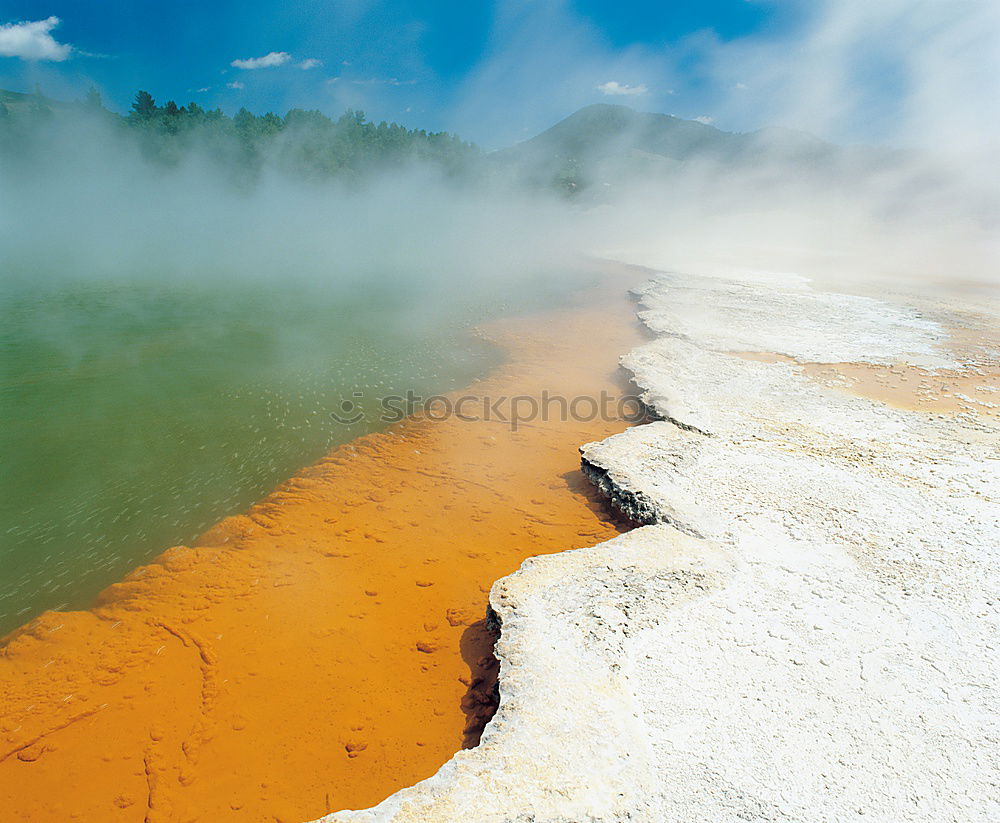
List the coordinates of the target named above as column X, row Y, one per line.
column 500, row 70
column 410, row 61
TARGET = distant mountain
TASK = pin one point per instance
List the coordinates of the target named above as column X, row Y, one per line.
column 605, row 145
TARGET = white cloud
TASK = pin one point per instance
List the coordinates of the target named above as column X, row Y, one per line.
column 236, row 84
column 269, row 60
column 705, row 119
column 32, row 41
column 309, row 63
column 614, row 88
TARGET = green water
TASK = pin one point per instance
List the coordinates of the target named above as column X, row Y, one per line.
column 135, row 414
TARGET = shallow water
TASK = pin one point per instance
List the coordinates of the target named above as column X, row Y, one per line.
column 137, row 413
column 328, row 646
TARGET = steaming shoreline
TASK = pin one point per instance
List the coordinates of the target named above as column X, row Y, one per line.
column 338, row 624
column 805, row 629
column 585, row 728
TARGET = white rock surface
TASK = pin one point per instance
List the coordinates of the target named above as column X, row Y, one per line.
column 785, row 316
column 808, row 629
column 568, row 742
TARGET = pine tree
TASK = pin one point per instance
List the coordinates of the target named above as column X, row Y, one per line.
column 144, row 107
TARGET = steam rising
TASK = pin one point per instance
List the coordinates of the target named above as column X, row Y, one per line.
column 97, row 208
column 915, row 77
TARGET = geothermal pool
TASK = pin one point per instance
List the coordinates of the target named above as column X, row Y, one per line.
column 328, row 646
column 138, row 412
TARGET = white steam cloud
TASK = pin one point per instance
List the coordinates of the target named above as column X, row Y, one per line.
column 908, row 87
column 913, row 72
column 931, row 206
column 33, row 41
column 88, row 214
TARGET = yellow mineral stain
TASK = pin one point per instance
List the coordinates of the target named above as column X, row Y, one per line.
column 328, row 647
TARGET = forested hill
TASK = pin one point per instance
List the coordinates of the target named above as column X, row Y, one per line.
column 307, row 144
column 599, row 150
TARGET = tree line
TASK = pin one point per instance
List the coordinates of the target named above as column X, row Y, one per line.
column 308, row 144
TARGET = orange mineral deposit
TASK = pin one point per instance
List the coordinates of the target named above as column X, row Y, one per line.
column 329, row 646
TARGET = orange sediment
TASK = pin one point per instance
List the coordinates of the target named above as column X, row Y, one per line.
column 328, row 647
column 903, row 386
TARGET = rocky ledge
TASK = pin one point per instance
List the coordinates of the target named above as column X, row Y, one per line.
column 806, row 629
